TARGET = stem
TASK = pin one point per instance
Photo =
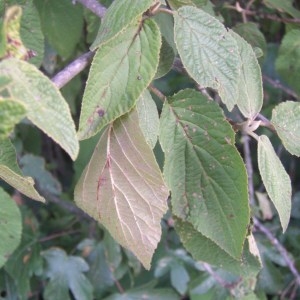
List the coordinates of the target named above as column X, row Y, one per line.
column 71, row 70
column 283, row 252
column 94, row 6
column 165, row 10
column 57, row 235
column 157, row 92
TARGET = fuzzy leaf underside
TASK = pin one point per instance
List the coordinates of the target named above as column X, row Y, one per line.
column 123, row 189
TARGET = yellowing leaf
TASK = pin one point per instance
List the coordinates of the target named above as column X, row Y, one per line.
column 204, row 170
column 123, row 189
column 286, row 120
column 208, row 52
column 120, row 71
column 11, row 173
column 277, row 182
column 45, row 106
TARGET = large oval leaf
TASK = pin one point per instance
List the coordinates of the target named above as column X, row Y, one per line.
column 204, row 170
column 10, row 226
column 208, row 52
column 45, row 106
column 11, row 173
column 277, row 182
column 118, row 16
column 122, row 188
column 286, row 120
column 121, row 70
column 250, row 89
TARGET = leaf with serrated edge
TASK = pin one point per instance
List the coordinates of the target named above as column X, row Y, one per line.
column 204, row 170
column 277, row 182
column 10, row 226
column 285, row 118
column 208, row 52
column 46, row 108
column 123, row 189
column 11, row 173
column 148, row 118
column 203, row 249
column 250, row 97
column 118, row 16
column 120, row 71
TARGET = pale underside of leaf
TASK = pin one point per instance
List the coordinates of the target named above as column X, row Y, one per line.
column 208, row 52
column 204, row 170
column 121, row 70
column 118, row 16
column 45, row 106
column 250, row 97
column 11, row 173
column 286, row 120
column 122, row 188
column 277, row 182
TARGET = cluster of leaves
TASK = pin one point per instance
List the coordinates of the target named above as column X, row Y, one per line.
column 155, row 160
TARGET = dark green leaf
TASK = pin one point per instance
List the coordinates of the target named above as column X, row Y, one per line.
column 179, row 278
column 204, row 170
column 66, row 272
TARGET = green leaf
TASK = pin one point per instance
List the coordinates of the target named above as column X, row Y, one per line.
column 166, row 59
column 288, row 60
column 176, row 4
column 10, row 226
column 66, row 272
column 11, row 113
column 208, row 52
column 203, row 249
column 204, row 170
column 250, row 97
column 284, row 6
column 121, row 70
column 285, row 118
column 179, row 278
column 118, row 17
column 123, row 189
column 277, row 182
column 11, row 173
column 34, row 166
column 148, row 118
column 251, row 33
column 30, row 30
column 153, row 294
column 62, row 24
column 45, row 106
column 7, row 287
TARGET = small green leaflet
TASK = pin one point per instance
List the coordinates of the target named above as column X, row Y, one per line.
column 123, row 189
column 118, row 17
column 250, row 89
column 11, row 173
column 204, row 170
column 10, row 226
column 203, row 249
column 288, row 60
column 208, row 52
column 148, row 118
column 120, row 71
column 277, row 182
column 42, row 101
column 66, row 273
column 11, row 113
column 285, row 6
column 286, row 120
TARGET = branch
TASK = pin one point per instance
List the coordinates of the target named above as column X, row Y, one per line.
column 94, row 6
column 71, row 70
column 283, row 252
